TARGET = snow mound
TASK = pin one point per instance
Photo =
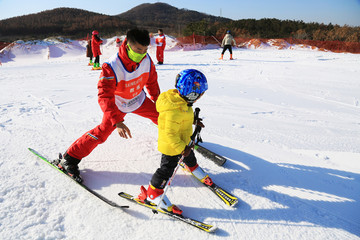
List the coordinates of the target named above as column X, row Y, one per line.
column 279, row 44
column 42, row 49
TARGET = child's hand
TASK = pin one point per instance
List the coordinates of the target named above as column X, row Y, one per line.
column 199, row 123
column 187, row 150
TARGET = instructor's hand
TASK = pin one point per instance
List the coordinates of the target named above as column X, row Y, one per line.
column 123, row 130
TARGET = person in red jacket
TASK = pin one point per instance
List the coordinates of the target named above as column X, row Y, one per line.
column 121, row 91
column 95, row 47
column 160, row 46
column 118, row 42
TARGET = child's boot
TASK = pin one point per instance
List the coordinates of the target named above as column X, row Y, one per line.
column 231, row 58
column 199, row 173
column 221, row 58
column 154, row 196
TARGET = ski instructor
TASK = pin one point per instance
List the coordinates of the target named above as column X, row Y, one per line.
column 160, row 46
column 120, row 91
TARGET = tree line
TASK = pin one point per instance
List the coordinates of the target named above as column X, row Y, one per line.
column 275, row 28
column 66, row 22
column 77, row 24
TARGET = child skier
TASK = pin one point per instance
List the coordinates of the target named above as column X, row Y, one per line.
column 121, row 91
column 175, row 121
column 95, row 46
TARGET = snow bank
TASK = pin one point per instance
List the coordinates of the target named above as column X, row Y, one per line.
column 52, row 48
column 41, row 49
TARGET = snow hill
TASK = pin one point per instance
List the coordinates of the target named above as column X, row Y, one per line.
column 60, row 47
column 288, row 121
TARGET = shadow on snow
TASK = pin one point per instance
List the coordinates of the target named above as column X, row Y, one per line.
column 299, row 195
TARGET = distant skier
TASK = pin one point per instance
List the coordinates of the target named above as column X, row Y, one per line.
column 152, row 45
column 95, row 46
column 160, row 43
column 121, row 91
column 118, row 42
column 227, row 43
column 176, row 118
column 89, row 53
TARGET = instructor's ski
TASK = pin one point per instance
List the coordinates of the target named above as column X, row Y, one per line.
column 81, row 184
column 201, row 225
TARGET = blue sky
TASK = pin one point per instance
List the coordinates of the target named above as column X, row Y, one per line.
column 339, row 12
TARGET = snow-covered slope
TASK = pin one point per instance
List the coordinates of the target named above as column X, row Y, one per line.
column 287, row 121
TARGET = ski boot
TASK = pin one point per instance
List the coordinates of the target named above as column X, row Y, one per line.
column 153, row 196
column 96, row 66
column 199, row 173
column 69, row 165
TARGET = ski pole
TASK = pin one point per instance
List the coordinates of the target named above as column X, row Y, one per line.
column 216, row 40
column 196, row 132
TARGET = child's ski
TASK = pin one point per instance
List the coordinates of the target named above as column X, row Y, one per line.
column 225, row 196
column 81, row 184
column 203, row 226
column 216, row 158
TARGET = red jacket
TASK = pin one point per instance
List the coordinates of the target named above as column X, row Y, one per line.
column 107, row 86
column 161, row 41
column 95, row 45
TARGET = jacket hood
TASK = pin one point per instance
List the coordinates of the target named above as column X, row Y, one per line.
column 171, row 100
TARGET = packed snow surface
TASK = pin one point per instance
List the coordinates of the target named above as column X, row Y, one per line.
column 288, row 122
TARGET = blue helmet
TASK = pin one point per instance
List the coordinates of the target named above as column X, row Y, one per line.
column 191, row 84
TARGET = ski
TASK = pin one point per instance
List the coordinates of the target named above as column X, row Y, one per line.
column 201, row 225
column 216, row 158
column 51, row 163
column 225, row 196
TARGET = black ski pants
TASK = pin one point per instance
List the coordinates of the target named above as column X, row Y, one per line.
column 167, row 167
column 227, row 47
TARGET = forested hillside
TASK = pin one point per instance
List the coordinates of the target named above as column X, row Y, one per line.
column 275, row 28
column 67, row 22
column 77, row 23
column 171, row 19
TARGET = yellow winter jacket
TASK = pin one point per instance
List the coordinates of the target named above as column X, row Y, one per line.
column 174, row 123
